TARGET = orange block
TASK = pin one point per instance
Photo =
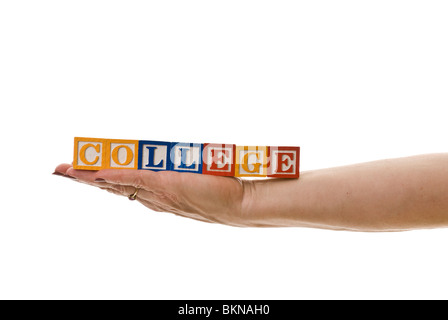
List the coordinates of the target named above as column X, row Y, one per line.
column 121, row 154
column 251, row 161
column 89, row 153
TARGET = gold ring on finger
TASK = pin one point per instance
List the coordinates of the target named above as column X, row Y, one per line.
column 134, row 195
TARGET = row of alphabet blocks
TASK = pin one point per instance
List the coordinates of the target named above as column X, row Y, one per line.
column 207, row 158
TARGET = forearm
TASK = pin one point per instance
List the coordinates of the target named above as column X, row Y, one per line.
column 387, row 195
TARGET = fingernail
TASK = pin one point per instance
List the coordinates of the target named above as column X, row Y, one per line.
column 100, row 180
column 63, row 175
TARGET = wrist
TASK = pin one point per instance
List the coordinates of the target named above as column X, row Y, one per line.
column 255, row 204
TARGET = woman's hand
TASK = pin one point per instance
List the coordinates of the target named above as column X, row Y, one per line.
column 385, row 195
column 202, row 197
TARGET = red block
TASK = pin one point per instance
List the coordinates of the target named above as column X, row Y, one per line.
column 218, row 159
column 284, row 162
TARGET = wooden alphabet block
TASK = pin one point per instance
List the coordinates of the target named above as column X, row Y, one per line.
column 154, row 155
column 122, row 154
column 209, row 158
column 283, row 162
column 186, row 157
column 219, row 159
column 251, row 161
column 90, row 154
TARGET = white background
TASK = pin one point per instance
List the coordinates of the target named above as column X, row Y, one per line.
column 348, row 81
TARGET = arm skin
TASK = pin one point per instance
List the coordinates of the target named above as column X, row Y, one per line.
column 386, row 195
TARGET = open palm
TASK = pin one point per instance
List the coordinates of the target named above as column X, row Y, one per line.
column 202, row 197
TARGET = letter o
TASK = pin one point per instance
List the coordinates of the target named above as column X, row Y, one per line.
column 129, row 155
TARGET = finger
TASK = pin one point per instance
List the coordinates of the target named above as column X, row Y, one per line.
column 62, row 168
column 112, row 191
column 125, row 182
column 149, row 204
column 153, row 206
column 113, row 176
column 162, row 208
column 143, row 179
column 87, row 176
column 122, row 191
column 126, row 191
column 83, row 176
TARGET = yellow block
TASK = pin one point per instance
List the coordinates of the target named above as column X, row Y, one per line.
column 90, row 153
column 251, row 161
column 122, row 154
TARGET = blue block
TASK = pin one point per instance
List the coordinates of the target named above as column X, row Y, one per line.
column 154, row 155
column 186, row 157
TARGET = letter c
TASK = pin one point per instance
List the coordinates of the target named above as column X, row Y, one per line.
column 82, row 153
